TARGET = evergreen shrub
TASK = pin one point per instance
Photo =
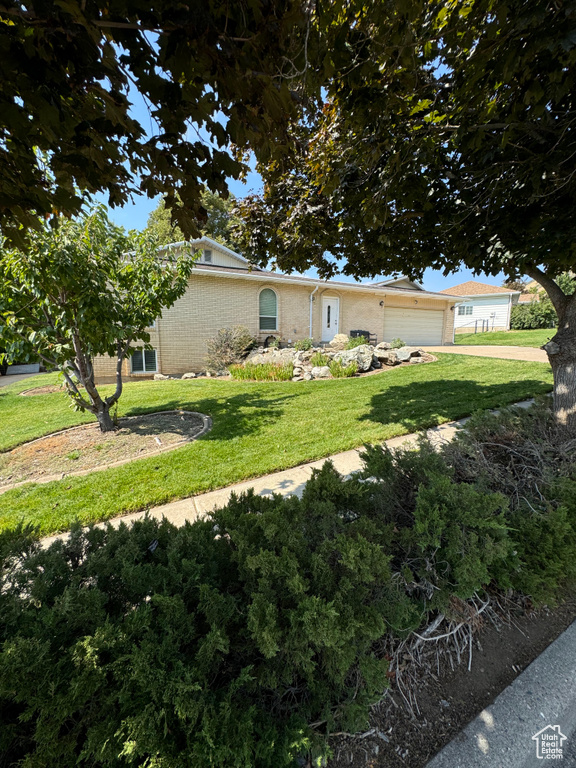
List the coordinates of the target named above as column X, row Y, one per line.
column 242, row 640
column 214, row 644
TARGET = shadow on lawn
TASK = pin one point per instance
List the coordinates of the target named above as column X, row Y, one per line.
column 422, row 404
column 233, row 416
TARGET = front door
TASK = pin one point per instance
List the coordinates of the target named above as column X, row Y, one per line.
column 330, row 312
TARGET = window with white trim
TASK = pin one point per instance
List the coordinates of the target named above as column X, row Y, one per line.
column 207, row 256
column 268, row 304
column 144, row 361
column 465, row 309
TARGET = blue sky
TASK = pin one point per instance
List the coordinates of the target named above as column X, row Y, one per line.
column 135, row 214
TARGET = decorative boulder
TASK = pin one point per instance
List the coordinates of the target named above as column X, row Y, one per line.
column 275, row 356
column 160, row 377
column 339, row 341
column 386, row 356
column 405, row 353
column 321, row 372
column 361, row 355
column 189, row 375
column 384, row 345
column 375, row 362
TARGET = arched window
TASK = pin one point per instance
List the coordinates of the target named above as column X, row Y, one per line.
column 268, row 310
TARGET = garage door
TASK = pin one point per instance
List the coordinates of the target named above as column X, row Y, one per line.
column 414, row 326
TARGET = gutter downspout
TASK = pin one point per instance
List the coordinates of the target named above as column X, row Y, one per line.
column 509, row 312
column 311, row 305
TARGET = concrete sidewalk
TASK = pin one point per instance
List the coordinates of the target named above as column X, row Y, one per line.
column 530, row 354
column 502, row 735
column 288, row 482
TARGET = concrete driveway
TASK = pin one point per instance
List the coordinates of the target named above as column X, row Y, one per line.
column 530, row 354
column 14, row 377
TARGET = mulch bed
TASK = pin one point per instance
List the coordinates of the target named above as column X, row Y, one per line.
column 448, row 699
column 85, row 448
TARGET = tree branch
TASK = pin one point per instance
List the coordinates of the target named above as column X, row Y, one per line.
column 75, row 394
column 121, row 353
column 556, row 294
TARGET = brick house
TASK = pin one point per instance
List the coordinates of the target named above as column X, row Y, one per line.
column 225, row 290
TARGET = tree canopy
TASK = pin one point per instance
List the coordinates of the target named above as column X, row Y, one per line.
column 444, row 134
column 220, row 222
column 217, row 79
column 84, row 288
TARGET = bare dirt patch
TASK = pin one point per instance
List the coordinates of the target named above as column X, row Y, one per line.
column 48, row 389
column 451, row 696
column 82, row 449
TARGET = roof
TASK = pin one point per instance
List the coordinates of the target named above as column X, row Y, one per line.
column 252, row 272
column 474, row 288
column 212, row 243
column 262, row 274
column 393, row 280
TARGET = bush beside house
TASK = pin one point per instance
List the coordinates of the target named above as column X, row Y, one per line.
column 244, row 639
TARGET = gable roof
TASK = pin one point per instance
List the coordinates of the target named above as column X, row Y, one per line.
column 402, row 278
column 203, row 241
column 474, row 288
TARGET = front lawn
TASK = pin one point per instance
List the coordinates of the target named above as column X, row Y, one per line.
column 258, row 428
column 507, row 338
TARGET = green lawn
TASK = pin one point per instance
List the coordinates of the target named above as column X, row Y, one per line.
column 258, row 428
column 507, row 338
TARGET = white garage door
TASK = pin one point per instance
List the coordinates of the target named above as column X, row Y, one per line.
column 414, row 326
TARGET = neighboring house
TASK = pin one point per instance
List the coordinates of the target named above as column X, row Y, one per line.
column 483, row 307
column 225, row 290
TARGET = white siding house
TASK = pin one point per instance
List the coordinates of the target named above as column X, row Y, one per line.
column 482, row 307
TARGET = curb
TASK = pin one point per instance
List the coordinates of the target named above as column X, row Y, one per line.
column 502, row 736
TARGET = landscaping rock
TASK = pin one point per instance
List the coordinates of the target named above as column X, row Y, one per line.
column 387, row 356
column 297, row 378
column 189, row 375
column 270, row 355
column 321, row 372
column 307, row 377
column 361, row 355
column 160, row 377
column 405, row 353
column 384, row 345
column 375, row 362
column 339, row 341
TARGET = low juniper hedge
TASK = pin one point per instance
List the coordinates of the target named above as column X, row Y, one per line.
column 245, row 639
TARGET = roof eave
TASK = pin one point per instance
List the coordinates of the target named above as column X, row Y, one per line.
column 310, row 282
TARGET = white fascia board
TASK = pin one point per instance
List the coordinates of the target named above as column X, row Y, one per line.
column 212, row 243
column 490, row 295
column 398, row 280
column 310, row 282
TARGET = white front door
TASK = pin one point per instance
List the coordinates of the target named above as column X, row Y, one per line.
column 330, row 312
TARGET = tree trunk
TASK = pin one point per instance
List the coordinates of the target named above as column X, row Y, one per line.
column 561, row 350
column 105, row 420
